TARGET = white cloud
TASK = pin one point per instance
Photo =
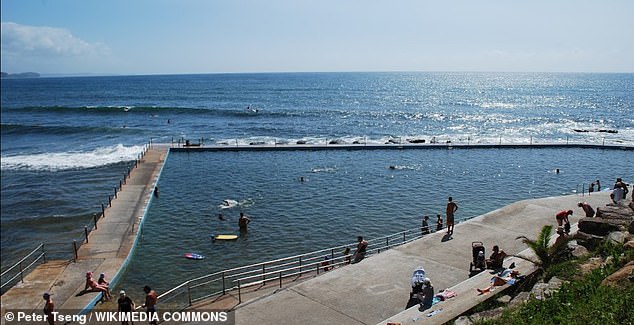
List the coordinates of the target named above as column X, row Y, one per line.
column 45, row 41
column 48, row 50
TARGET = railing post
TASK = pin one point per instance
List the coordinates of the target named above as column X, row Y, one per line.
column 300, row 265
column 280, row 279
column 387, row 242
column 94, row 217
column 86, row 231
column 189, row 293
column 75, row 249
column 43, row 252
column 403, row 237
column 224, row 288
column 21, row 273
column 239, row 294
column 263, row 274
column 115, row 192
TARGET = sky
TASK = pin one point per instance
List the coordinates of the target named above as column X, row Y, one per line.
column 138, row 37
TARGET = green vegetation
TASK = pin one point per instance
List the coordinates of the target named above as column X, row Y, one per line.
column 546, row 254
column 582, row 299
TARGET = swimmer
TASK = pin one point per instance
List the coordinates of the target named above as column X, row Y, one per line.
column 221, row 217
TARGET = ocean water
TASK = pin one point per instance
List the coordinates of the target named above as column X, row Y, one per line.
column 66, row 143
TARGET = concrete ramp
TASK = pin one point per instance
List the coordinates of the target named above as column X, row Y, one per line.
column 377, row 289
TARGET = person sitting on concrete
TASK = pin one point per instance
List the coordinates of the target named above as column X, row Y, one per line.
column 359, row 254
column 507, row 276
column 418, row 279
column 427, row 295
column 102, row 280
column 325, row 263
column 92, row 284
column 496, row 259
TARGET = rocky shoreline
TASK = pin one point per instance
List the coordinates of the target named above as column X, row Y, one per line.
column 613, row 223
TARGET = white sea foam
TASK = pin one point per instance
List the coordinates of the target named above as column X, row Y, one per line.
column 52, row 161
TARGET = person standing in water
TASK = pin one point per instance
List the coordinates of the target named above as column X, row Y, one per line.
column 243, row 222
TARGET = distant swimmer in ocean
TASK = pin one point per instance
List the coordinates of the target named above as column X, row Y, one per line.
column 221, row 217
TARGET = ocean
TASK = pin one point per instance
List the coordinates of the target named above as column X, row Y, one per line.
column 66, row 143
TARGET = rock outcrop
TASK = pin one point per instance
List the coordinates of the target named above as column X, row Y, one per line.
column 609, row 219
column 625, row 274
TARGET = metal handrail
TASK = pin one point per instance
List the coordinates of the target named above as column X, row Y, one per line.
column 22, row 260
column 23, row 270
column 219, row 283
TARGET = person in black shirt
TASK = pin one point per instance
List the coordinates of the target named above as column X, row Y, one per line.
column 126, row 305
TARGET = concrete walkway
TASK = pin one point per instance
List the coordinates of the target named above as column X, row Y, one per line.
column 377, row 289
column 107, row 250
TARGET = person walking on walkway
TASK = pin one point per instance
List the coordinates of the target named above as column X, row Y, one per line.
column 125, row 305
column 49, row 308
column 452, row 207
column 151, row 299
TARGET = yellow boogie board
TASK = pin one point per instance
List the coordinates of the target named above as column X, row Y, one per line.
column 225, row 237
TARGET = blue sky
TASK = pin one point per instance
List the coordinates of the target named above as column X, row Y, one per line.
column 212, row 36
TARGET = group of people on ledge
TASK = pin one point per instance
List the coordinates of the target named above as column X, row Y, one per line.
column 619, row 193
column 451, row 209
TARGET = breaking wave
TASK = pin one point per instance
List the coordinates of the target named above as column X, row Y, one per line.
column 53, row 161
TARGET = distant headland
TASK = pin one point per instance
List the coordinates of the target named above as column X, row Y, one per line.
column 20, row 75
